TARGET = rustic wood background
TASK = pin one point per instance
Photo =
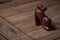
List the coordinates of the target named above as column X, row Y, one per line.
column 17, row 20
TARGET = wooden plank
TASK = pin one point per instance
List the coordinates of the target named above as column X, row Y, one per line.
column 53, row 10
column 25, row 7
column 17, row 10
column 53, row 36
column 40, row 34
column 19, row 17
column 7, row 12
column 45, row 35
column 11, row 32
column 16, row 3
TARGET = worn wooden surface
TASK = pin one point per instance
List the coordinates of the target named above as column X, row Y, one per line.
column 10, row 32
column 2, row 38
column 17, row 20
